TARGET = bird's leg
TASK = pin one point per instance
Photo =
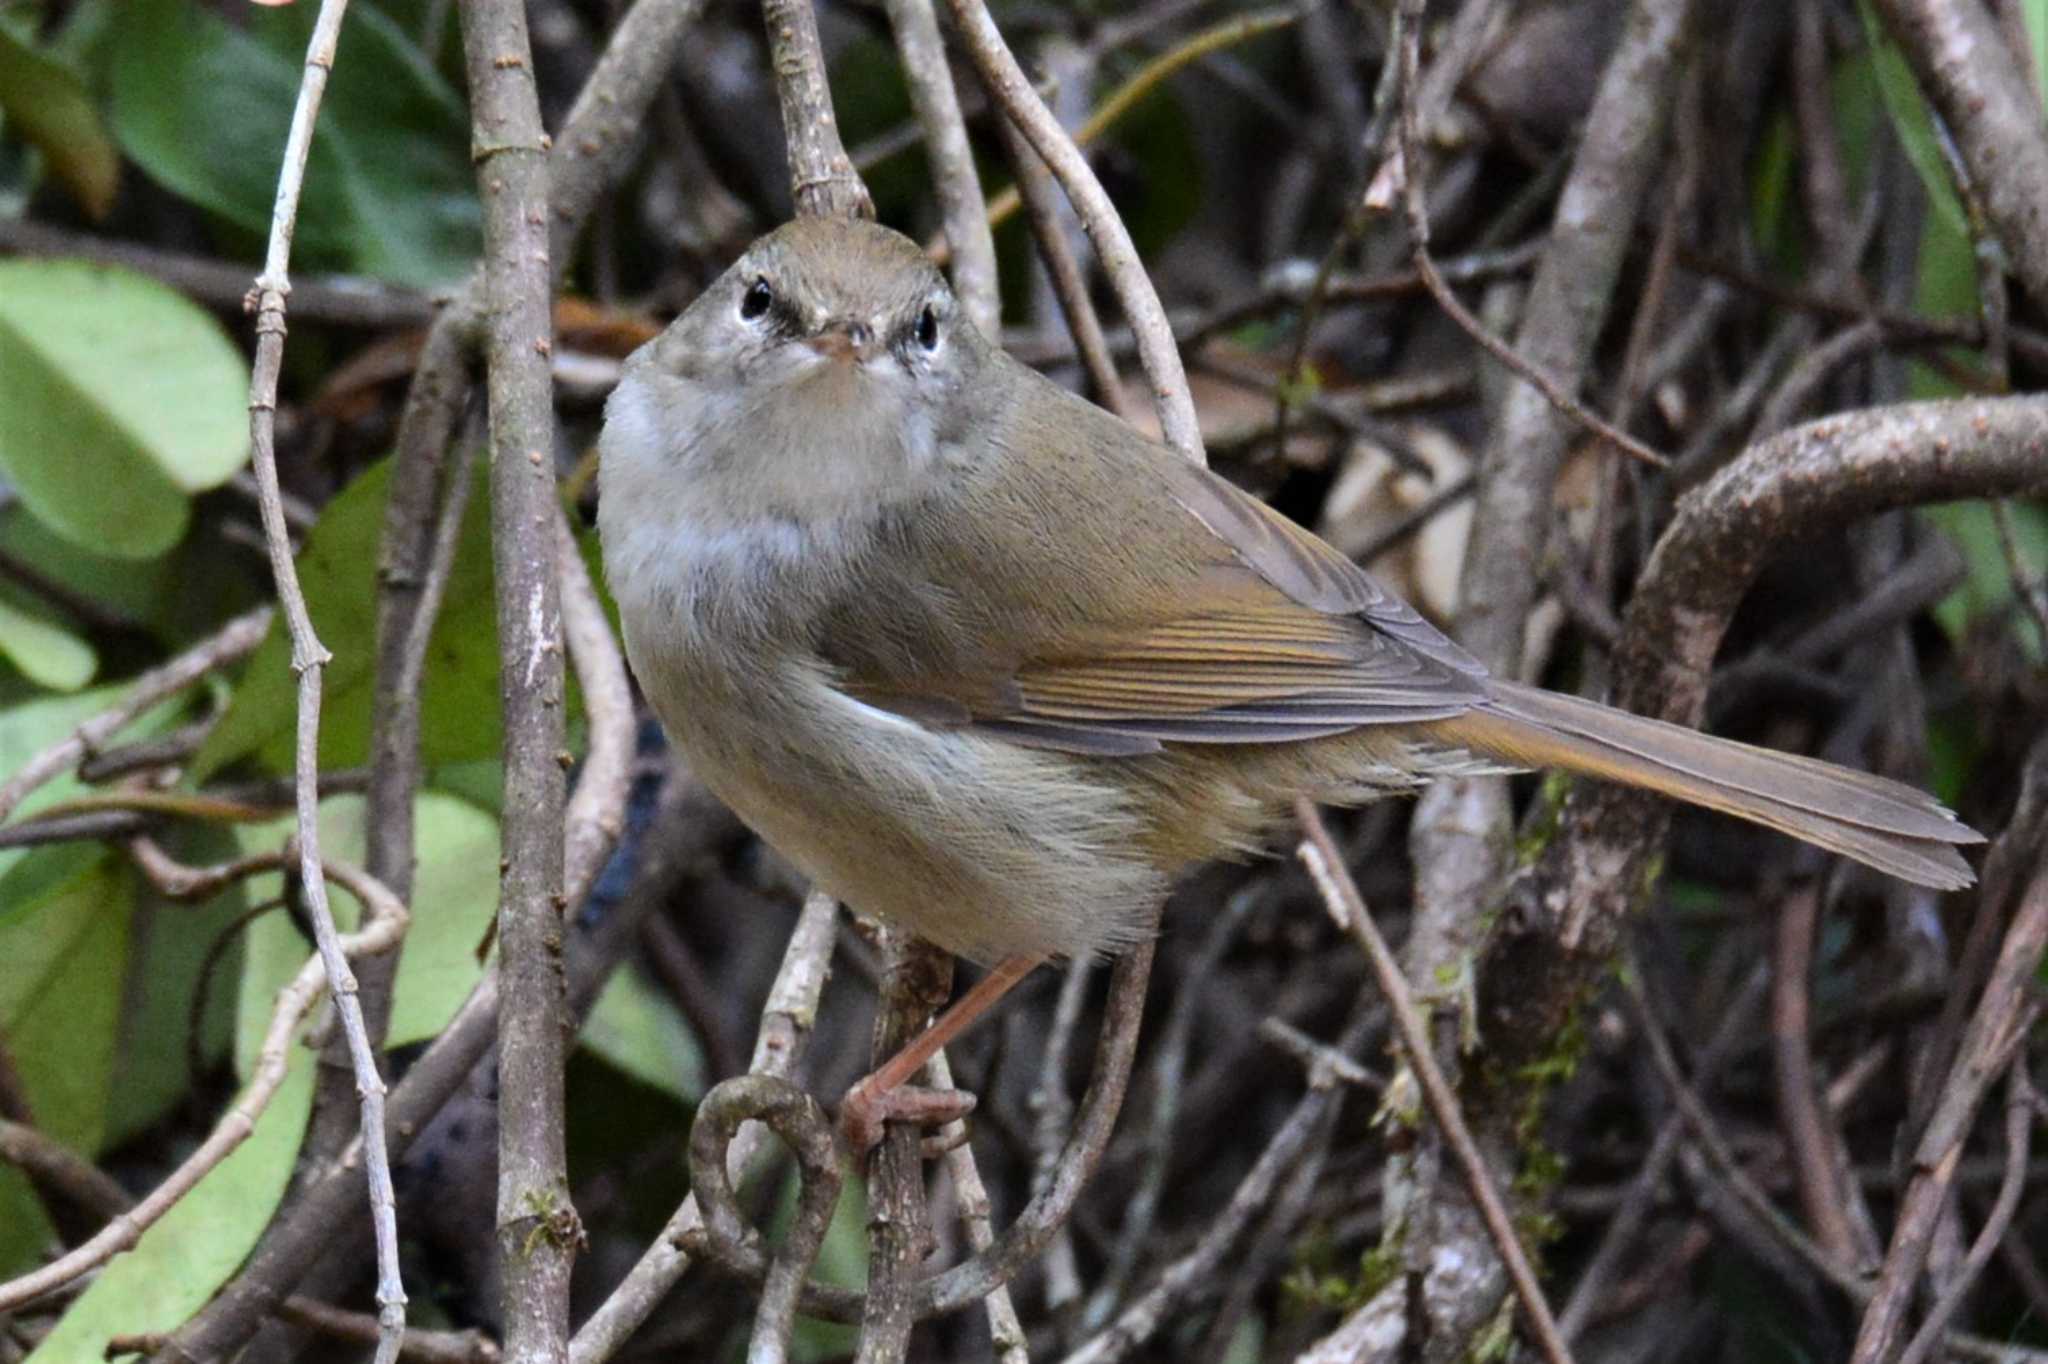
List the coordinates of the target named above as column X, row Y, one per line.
column 886, row 1095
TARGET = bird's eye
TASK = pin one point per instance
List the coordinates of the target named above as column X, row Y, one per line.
column 756, row 301
column 927, row 332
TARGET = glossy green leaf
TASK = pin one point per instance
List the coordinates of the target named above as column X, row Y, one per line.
column 123, row 398
column 640, row 1031
column 455, row 892
column 60, row 997
column 389, row 189
column 459, row 700
column 184, row 1259
column 47, row 106
column 47, row 653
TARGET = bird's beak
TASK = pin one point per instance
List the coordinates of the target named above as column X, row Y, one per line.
column 843, row 339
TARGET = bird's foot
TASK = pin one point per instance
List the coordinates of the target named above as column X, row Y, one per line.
column 872, row 1103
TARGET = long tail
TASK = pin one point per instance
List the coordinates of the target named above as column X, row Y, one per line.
column 1880, row 822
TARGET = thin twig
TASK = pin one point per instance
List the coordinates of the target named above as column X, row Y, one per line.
column 309, row 658
column 972, row 245
column 1006, row 1331
column 822, row 179
column 596, row 812
column 232, row 641
column 2005, row 1012
column 1326, row 867
column 2032, row 596
column 796, row 1118
column 57, row 1168
column 1143, row 1318
column 786, row 1020
column 338, row 300
column 1812, row 1146
column 1416, row 205
column 422, row 1347
column 1069, row 284
column 1007, row 85
column 1973, row 79
column 2019, row 1129
column 1618, row 1238
column 1150, row 77
column 1051, row 1109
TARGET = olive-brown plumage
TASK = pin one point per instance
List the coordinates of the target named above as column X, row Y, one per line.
column 985, row 661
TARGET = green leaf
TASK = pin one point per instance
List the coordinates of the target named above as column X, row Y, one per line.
column 184, row 1259
column 123, row 398
column 2034, row 14
column 24, row 1230
column 179, row 596
column 47, row 654
column 1988, row 586
column 1902, row 99
column 60, row 997
column 842, row 1262
column 455, row 891
column 164, row 1019
column 459, row 718
column 47, row 105
column 640, row 1031
column 203, row 109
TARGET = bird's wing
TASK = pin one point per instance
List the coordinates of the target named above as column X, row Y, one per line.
column 1248, row 629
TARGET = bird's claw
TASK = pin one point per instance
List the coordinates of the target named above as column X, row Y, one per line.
column 868, row 1106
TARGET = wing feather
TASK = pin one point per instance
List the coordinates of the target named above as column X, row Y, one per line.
column 1236, row 626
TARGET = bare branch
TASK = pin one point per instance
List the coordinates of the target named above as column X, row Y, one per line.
column 538, row 1232
column 1007, row 84
column 972, row 247
column 822, row 179
column 1326, row 867
column 1971, row 76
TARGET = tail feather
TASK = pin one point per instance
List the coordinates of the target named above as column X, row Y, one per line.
column 1877, row 821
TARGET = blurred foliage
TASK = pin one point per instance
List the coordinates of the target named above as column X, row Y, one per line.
column 389, row 189
column 48, row 107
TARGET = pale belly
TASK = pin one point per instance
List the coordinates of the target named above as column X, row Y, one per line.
column 982, row 847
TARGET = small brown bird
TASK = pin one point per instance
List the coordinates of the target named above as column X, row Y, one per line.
column 987, row 663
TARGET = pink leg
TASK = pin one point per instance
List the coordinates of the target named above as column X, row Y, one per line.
column 887, row 1094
